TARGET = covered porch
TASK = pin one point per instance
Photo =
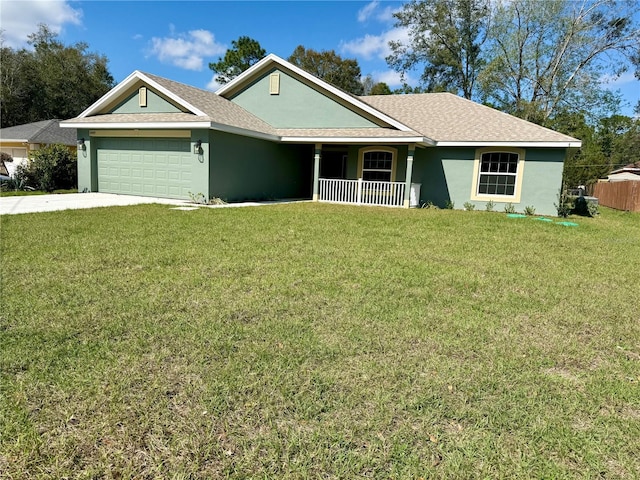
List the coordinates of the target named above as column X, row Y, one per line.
column 379, row 175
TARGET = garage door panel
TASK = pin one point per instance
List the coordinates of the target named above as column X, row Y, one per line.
column 139, row 166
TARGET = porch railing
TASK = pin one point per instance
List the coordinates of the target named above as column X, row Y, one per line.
column 362, row 192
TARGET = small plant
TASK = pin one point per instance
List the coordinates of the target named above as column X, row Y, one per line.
column 201, row 199
column 198, row 198
column 430, row 205
column 529, row 210
column 563, row 207
column 450, row 205
column 469, row 207
column 509, row 208
column 15, row 184
column 490, row 206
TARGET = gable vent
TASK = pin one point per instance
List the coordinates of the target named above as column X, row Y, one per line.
column 274, row 84
column 142, row 96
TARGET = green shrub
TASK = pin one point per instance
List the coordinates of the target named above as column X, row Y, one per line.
column 52, row 167
column 469, row 207
column 450, row 205
column 509, row 208
column 529, row 210
column 490, row 206
column 564, row 206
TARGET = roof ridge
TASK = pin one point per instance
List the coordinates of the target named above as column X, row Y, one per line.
column 46, row 125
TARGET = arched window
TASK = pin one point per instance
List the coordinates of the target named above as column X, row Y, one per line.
column 378, row 164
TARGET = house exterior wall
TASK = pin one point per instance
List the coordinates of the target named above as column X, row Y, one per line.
column 155, row 104
column 447, row 174
column 297, row 105
column 243, row 168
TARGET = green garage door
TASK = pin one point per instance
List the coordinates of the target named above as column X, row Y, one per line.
column 156, row 167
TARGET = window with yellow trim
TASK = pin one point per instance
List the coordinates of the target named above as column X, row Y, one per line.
column 377, row 165
column 498, row 173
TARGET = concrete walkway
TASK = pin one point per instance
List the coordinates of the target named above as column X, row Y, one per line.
column 66, row 201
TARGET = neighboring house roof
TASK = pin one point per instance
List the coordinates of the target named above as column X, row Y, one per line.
column 451, row 120
column 45, row 132
column 441, row 119
column 630, row 168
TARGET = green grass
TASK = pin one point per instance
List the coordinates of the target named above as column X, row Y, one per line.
column 318, row 341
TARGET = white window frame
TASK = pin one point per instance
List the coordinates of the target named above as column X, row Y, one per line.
column 394, row 155
column 515, row 198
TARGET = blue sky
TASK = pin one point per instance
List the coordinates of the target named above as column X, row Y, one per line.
column 178, row 39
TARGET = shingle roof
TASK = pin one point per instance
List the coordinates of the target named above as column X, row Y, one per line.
column 218, row 109
column 45, row 131
column 437, row 118
column 445, row 117
column 369, row 132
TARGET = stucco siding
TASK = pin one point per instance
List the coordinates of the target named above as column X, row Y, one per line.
column 447, row 175
column 297, row 105
column 245, row 168
column 155, row 104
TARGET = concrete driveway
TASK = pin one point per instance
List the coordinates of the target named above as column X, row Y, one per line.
column 50, row 203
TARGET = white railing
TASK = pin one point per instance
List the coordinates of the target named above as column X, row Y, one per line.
column 362, row 192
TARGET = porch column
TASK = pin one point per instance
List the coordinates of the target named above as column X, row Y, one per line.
column 316, row 172
column 407, row 181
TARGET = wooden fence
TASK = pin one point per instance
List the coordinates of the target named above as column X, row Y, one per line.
column 619, row 195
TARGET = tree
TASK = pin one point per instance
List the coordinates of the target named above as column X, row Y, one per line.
column 370, row 87
column 50, row 81
column 330, row 67
column 610, row 143
column 548, row 56
column 243, row 53
column 446, row 37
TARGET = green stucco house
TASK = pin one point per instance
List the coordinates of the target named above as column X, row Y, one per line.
column 278, row 132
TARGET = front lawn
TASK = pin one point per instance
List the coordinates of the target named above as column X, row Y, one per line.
column 318, row 341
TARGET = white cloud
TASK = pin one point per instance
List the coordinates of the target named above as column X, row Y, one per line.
column 367, row 11
column 21, row 18
column 386, row 15
column 371, row 46
column 186, row 50
column 393, row 78
column 213, row 85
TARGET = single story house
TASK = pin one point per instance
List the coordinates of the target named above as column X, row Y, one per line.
column 277, row 132
column 19, row 140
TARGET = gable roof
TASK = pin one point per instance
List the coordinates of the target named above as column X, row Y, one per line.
column 201, row 109
column 354, row 103
column 44, row 131
column 453, row 121
column 441, row 119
